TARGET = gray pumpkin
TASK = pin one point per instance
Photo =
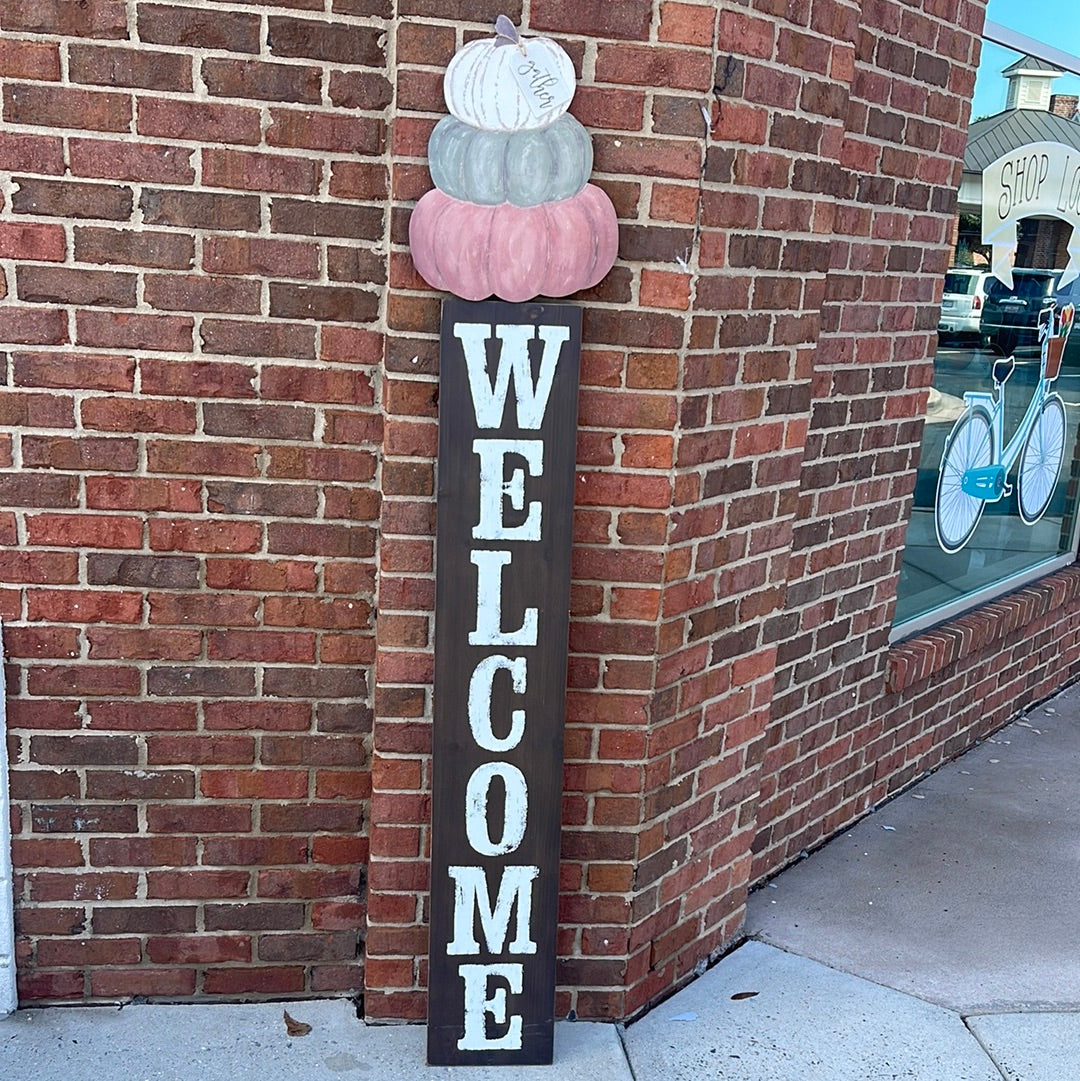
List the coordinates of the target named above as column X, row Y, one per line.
column 525, row 168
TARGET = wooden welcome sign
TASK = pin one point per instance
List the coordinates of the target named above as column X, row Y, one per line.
column 513, row 215
column 506, row 476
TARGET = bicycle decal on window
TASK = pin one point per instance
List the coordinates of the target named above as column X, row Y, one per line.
column 976, row 462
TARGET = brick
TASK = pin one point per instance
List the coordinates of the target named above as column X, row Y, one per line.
column 73, row 371
column 200, row 750
column 130, row 247
column 38, row 60
column 84, row 531
column 174, row 535
column 120, row 330
column 66, row 818
column 109, row 750
column 320, row 682
column 482, row 11
column 144, row 919
column 345, row 264
column 89, row 952
column 136, row 645
column 51, row 198
column 158, row 163
column 198, row 681
column 260, row 257
column 140, row 785
column 687, row 24
column 42, row 243
column 146, row 69
column 307, row 947
column 345, row 387
column 258, row 339
column 262, row 576
column 288, row 538
column 255, row 784
column 74, row 606
column 262, row 499
column 280, row 716
column 204, row 818
column 30, row 326
column 82, row 680
column 165, row 24
column 191, row 456
column 595, row 18
column 200, row 609
column 259, row 421
column 325, row 303
column 316, row 219
column 51, row 985
column 177, row 572
column 43, row 642
column 65, row 107
column 254, row 916
column 197, row 379
column 360, row 90
column 200, row 949
column 196, row 885
column 94, row 19
column 34, row 490
column 229, row 78
column 46, row 853
column 198, row 293
column 309, row 884
column 59, row 285
column 93, row 886
column 138, row 415
column 260, row 980
column 635, row 65
column 41, row 568
column 359, row 180
column 251, row 171
column 198, row 121
column 200, row 210
column 339, row 43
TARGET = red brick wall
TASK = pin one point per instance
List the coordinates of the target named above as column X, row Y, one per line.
column 220, row 409
column 193, row 207
column 905, row 120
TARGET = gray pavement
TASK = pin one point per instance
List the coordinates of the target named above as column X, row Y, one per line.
column 938, row 940
column 963, row 891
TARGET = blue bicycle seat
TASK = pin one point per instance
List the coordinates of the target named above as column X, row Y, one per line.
column 1003, row 369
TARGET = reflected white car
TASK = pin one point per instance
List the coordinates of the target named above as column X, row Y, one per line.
column 962, row 302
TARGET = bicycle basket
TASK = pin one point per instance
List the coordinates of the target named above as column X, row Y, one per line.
column 1055, row 349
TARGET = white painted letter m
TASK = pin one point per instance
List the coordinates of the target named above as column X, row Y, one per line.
column 472, row 897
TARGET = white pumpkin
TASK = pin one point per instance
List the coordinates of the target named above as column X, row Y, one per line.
column 502, row 84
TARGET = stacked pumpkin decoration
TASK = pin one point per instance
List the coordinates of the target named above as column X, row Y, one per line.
column 512, row 213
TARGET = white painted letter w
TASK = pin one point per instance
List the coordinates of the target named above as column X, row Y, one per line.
column 489, row 402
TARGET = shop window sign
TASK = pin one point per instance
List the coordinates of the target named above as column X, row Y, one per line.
column 993, row 505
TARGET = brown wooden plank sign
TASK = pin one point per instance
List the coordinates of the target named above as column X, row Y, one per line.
column 508, row 419
column 512, row 215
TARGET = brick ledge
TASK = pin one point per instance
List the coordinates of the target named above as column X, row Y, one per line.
column 920, row 657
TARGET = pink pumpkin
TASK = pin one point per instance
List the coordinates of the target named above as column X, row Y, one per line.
column 516, row 253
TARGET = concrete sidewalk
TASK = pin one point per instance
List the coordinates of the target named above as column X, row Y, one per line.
column 938, row 940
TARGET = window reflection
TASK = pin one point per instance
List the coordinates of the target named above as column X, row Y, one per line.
column 992, row 494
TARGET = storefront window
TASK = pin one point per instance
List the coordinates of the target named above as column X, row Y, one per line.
column 995, row 494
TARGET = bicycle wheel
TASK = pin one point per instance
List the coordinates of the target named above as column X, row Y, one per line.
column 970, row 446
column 1040, row 460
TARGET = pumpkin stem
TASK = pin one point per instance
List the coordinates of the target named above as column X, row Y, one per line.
column 506, row 33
